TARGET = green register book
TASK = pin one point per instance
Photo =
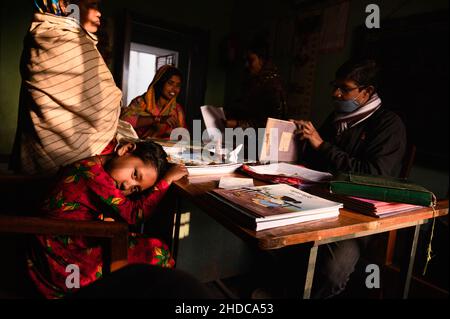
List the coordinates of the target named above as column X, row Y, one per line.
column 381, row 188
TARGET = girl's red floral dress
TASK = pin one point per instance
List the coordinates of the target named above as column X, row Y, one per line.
column 85, row 191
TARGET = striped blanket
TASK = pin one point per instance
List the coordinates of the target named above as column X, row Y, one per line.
column 69, row 105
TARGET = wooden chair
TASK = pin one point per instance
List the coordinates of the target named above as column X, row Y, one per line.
column 20, row 198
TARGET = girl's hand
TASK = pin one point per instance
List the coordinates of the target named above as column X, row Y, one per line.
column 175, row 173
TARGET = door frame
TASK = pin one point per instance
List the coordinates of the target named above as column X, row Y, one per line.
column 191, row 43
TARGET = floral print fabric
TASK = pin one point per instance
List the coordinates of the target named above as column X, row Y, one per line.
column 85, row 191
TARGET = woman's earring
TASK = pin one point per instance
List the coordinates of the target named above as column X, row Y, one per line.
column 116, row 148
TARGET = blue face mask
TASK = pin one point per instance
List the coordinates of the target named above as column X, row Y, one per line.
column 346, row 106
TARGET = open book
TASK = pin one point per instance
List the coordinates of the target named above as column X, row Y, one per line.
column 270, row 206
column 279, row 144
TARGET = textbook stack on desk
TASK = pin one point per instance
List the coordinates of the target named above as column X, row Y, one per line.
column 382, row 189
column 270, row 206
column 373, row 207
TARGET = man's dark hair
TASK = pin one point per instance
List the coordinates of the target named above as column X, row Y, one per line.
column 363, row 72
column 153, row 154
column 164, row 78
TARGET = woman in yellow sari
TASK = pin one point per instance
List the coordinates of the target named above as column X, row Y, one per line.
column 156, row 113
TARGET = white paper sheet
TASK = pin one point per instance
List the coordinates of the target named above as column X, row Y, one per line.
column 214, row 118
column 218, row 169
column 289, row 170
column 235, row 182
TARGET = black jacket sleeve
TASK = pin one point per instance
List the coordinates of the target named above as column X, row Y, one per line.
column 375, row 146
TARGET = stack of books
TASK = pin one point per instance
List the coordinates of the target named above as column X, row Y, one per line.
column 378, row 196
column 381, row 188
column 375, row 208
column 277, row 205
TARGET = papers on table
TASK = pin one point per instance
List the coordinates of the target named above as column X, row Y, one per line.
column 216, row 169
column 290, row 170
column 205, row 162
column 214, row 118
column 235, row 182
column 232, row 156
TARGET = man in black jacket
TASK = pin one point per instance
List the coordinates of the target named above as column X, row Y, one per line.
column 360, row 136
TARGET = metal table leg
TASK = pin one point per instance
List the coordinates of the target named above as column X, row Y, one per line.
column 310, row 273
column 412, row 257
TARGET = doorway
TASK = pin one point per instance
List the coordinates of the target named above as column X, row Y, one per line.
column 185, row 47
column 144, row 61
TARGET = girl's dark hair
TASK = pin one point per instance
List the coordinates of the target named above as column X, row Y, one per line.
column 158, row 87
column 363, row 72
column 153, row 154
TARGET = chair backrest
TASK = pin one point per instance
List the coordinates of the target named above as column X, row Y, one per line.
column 408, row 160
column 21, row 195
column 21, row 198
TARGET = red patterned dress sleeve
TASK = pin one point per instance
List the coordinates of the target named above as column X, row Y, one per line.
column 85, row 191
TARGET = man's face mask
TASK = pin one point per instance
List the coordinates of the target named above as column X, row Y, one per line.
column 347, row 106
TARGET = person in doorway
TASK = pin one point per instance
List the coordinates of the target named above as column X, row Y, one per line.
column 156, row 113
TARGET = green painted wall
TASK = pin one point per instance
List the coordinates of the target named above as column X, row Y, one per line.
column 255, row 15
column 14, row 24
column 328, row 63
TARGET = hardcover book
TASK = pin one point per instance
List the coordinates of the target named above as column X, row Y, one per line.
column 370, row 207
column 270, row 206
column 382, row 188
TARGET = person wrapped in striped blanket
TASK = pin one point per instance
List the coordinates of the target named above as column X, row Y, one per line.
column 69, row 103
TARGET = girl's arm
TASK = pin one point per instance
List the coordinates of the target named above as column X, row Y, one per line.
column 135, row 210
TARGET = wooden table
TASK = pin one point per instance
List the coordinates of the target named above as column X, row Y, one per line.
column 347, row 225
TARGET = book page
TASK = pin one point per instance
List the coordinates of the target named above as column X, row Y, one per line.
column 279, row 144
column 213, row 117
column 290, row 170
column 235, row 182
